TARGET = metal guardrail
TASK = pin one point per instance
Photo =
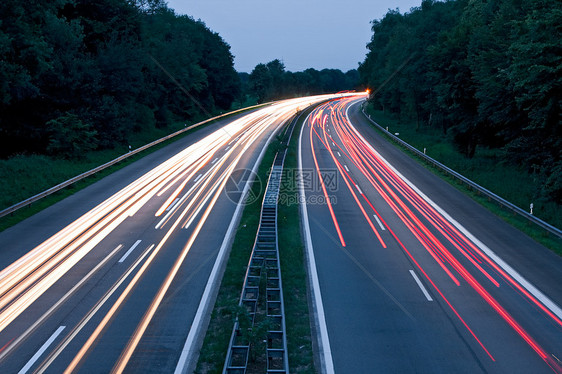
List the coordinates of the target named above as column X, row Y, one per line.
column 263, row 260
column 514, row 208
column 86, row 174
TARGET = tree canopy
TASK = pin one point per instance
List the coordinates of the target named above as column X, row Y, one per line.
column 486, row 72
column 271, row 81
column 79, row 75
column 95, row 71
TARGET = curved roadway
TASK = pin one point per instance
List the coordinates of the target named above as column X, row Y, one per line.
column 119, row 276
column 411, row 276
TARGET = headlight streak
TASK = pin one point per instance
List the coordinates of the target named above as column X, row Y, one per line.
column 202, row 182
column 29, row 289
column 253, row 137
column 116, row 306
column 198, row 164
column 14, row 342
column 153, row 188
column 44, row 276
column 134, row 341
column 32, row 275
column 196, row 185
column 29, row 277
column 365, row 158
column 192, row 170
column 131, row 346
column 209, row 146
column 192, row 167
column 253, row 122
column 66, row 341
column 26, row 264
column 225, row 175
column 243, row 140
column 29, row 269
column 125, row 356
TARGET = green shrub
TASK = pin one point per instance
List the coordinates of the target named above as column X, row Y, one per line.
column 69, row 137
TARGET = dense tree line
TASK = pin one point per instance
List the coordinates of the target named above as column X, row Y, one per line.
column 78, row 75
column 271, row 81
column 486, row 72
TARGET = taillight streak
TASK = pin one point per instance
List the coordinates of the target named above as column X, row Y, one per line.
column 376, row 171
column 340, row 236
column 340, row 169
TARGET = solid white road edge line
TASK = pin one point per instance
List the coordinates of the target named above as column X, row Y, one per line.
column 324, row 341
column 545, row 300
column 41, row 350
column 420, row 285
column 189, row 351
column 129, row 251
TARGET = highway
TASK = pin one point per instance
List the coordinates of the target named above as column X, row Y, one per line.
column 120, row 276
column 408, row 275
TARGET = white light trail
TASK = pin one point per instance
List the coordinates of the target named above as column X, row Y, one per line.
column 25, row 280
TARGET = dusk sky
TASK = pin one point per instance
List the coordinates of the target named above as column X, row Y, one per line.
column 302, row 33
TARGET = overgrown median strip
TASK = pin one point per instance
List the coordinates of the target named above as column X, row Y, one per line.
column 293, row 269
column 215, row 345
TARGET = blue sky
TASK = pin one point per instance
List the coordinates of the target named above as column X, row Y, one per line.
column 301, row 33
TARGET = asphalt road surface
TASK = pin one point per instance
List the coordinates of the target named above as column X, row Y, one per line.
column 119, row 276
column 408, row 274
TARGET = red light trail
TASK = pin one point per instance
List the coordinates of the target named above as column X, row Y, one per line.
column 418, row 215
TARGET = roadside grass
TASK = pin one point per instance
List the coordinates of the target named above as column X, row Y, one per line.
column 488, row 169
column 24, row 176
